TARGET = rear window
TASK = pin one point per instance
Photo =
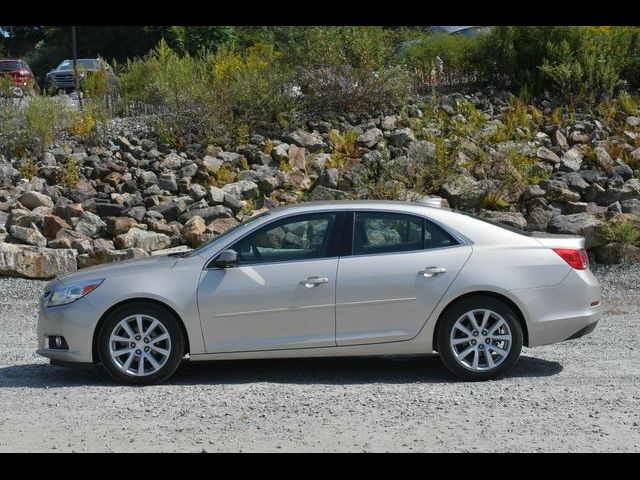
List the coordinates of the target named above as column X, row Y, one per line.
column 495, row 224
column 10, row 66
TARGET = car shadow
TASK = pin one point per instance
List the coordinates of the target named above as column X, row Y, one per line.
column 403, row 369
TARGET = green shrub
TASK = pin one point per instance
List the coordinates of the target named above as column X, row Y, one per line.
column 627, row 103
column 29, row 169
column 45, row 118
column 70, row 173
column 625, row 233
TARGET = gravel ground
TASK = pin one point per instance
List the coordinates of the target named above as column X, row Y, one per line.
column 581, row 395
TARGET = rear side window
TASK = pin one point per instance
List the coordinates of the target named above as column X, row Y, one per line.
column 385, row 232
column 10, row 66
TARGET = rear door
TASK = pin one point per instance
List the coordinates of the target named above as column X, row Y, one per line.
column 395, row 271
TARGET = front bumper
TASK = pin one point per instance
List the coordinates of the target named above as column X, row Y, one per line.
column 76, row 323
column 565, row 311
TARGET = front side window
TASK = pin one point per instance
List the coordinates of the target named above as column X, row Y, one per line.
column 302, row 237
column 386, row 232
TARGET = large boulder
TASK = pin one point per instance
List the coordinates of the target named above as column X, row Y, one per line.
column 311, row 141
column 571, row 161
column 28, row 235
column 586, row 225
column 402, row 137
column 34, row 262
column 324, row 193
column 147, row 241
column 8, row 175
column 370, row 138
column 513, row 219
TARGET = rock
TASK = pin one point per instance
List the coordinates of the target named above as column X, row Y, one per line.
column 630, row 189
column 583, row 224
column 24, row 218
column 215, row 196
column 221, row 225
column 633, row 121
column 167, row 181
column 33, row 262
column 513, row 219
column 32, row 200
column 370, row 138
column 244, row 189
column 207, row 214
column 631, row 206
column 137, row 238
column 560, row 140
column 172, row 161
column 329, row 178
column 27, row 235
column 571, row 161
column 146, row 179
column 197, row 191
column 193, row 230
column 113, row 179
column 538, row 219
column 615, row 253
column 310, row 141
column 462, row 191
column 52, row 224
column 8, row 175
column 547, row 155
column 402, row 137
column 298, row 179
column 90, row 225
column 119, row 225
column 389, row 122
column 109, row 209
column 101, row 256
column 297, row 158
column 558, row 191
column 533, row 191
column 579, row 137
column 603, row 159
column 323, row 193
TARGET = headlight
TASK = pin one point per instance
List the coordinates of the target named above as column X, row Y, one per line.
column 71, row 293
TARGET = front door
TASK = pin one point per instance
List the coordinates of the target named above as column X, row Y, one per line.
column 401, row 266
column 281, row 294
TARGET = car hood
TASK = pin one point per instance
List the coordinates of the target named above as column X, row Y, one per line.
column 69, row 71
column 121, row 268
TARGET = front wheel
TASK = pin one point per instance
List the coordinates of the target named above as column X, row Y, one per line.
column 140, row 344
column 479, row 338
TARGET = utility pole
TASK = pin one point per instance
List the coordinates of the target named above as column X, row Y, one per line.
column 75, row 65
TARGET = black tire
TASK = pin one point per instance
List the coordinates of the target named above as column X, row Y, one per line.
column 455, row 312
column 168, row 321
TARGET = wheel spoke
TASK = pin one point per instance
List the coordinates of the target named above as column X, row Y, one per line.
column 161, row 351
column 490, row 362
column 476, row 358
column 153, row 325
column 119, row 353
column 139, row 324
column 159, row 339
column 127, row 328
column 498, row 350
column 141, row 366
column 462, row 355
column 464, row 329
column 472, row 318
column 117, row 338
column 500, row 337
column 127, row 364
column 496, row 326
column 485, row 319
column 459, row 341
column 152, row 361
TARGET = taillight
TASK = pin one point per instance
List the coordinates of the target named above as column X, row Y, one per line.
column 576, row 258
column 24, row 73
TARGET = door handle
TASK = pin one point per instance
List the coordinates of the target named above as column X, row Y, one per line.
column 431, row 271
column 313, row 281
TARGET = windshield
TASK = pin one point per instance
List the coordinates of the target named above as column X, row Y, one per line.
column 10, row 66
column 82, row 63
column 495, row 224
column 225, row 235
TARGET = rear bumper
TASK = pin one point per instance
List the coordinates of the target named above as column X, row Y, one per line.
column 565, row 311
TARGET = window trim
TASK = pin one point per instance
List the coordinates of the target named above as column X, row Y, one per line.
column 333, row 249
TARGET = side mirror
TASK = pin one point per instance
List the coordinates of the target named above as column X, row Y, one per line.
column 226, row 259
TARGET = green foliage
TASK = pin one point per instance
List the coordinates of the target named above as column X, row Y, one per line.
column 625, row 233
column 493, row 201
column 349, row 70
column 201, row 39
column 441, row 56
column 628, row 104
column 29, row 169
column 45, row 118
column 70, row 173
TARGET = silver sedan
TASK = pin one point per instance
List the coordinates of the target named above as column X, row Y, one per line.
column 329, row 279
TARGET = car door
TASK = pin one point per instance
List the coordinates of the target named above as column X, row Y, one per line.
column 400, row 267
column 281, row 293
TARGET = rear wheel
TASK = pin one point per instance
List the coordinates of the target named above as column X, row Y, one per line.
column 479, row 338
column 140, row 344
